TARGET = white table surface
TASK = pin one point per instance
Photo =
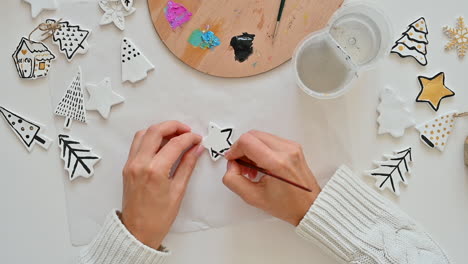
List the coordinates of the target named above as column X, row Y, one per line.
column 33, row 225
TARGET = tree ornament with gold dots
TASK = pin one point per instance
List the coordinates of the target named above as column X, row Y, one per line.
column 413, row 42
column 435, row 132
column 458, row 38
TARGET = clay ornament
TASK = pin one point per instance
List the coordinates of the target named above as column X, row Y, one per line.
column 72, row 104
column 176, row 14
column 127, row 4
column 394, row 116
column 32, row 59
column 115, row 12
column 433, row 90
column 135, row 66
column 391, row 172
column 27, row 131
column 71, row 39
column 243, row 46
column 79, row 160
column 38, row 5
column 218, row 141
column 458, row 38
column 102, row 98
column 413, row 42
column 435, row 132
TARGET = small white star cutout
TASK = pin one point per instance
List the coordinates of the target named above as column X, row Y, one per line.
column 114, row 12
column 102, row 98
column 218, row 141
column 38, row 5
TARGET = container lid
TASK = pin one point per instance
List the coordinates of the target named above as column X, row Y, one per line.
column 326, row 62
column 363, row 32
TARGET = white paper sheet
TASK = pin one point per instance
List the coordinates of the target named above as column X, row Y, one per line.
column 269, row 102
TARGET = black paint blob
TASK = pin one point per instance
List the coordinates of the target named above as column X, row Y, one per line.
column 243, row 46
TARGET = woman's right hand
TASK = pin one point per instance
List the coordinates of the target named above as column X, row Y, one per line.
column 283, row 158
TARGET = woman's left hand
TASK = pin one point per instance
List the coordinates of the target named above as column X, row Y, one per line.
column 151, row 198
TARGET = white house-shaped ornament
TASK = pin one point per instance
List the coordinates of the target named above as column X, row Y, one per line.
column 32, row 59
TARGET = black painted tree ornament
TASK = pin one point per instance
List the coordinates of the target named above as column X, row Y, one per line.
column 391, row 172
column 72, row 104
column 71, row 39
column 79, row 160
column 27, row 131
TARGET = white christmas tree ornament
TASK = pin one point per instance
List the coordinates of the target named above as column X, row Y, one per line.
column 391, row 172
column 135, row 66
column 102, row 98
column 413, row 42
column 38, row 5
column 71, row 39
column 72, row 104
column 435, row 132
column 27, row 131
column 115, row 12
column 79, row 160
column 394, row 116
column 218, row 141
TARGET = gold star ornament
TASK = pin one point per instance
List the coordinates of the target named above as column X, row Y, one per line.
column 433, row 90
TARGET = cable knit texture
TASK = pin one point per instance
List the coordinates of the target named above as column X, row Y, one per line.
column 355, row 224
column 114, row 244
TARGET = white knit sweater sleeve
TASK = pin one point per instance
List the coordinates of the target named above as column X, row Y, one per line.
column 114, row 244
column 355, row 224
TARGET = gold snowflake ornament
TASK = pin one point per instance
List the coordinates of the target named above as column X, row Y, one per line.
column 458, row 37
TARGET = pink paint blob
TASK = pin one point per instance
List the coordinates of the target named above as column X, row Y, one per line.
column 176, row 14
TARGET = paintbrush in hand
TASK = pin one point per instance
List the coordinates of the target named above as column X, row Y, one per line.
column 249, row 165
column 278, row 19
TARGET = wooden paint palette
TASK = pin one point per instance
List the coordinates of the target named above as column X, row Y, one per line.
column 228, row 18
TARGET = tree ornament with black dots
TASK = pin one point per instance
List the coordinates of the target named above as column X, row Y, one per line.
column 28, row 132
column 135, row 66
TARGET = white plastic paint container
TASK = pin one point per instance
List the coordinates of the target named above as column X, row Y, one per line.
column 328, row 61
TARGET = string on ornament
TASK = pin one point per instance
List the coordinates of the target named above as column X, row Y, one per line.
column 465, row 114
column 47, row 28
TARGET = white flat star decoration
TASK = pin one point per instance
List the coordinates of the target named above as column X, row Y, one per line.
column 115, row 13
column 218, row 141
column 102, row 98
column 38, row 5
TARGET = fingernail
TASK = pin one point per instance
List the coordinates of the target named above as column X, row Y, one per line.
column 200, row 150
column 227, row 154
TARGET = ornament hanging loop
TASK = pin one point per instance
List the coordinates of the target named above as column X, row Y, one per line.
column 47, row 28
column 461, row 115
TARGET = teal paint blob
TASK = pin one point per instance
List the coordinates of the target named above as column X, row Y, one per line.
column 204, row 40
column 196, row 38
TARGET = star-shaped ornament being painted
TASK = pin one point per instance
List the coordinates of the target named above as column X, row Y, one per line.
column 38, row 5
column 433, row 90
column 102, row 98
column 218, row 141
column 115, row 13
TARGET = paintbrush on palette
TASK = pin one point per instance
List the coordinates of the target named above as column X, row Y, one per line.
column 278, row 19
column 249, row 165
